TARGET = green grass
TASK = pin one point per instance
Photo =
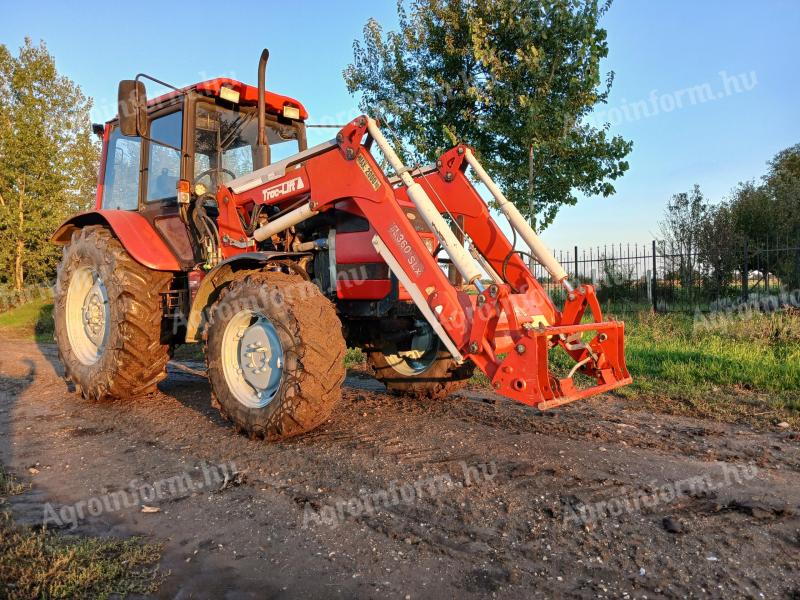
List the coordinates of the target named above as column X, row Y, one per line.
column 33, row 320
column 355, row 358
column 731, row 369
column 42, row 564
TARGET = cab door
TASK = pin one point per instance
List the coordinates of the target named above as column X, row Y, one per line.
column 163, row 165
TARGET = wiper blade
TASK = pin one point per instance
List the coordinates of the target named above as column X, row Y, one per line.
column 237, row 127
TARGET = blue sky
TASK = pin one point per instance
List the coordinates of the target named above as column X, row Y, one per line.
column 689, row 123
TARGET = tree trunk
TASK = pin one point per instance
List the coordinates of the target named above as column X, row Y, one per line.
column 531, row 203
column 530, row 169
column 19, row 274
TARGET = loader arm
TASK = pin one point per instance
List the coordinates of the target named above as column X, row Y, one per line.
column 507, row 327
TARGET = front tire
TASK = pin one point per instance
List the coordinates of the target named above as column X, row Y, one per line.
column 275, row 355
column 107, row 314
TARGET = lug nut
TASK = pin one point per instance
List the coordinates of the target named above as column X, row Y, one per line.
column 521, row 348
column 481, row 299
column 473, row 347
column 493, row 291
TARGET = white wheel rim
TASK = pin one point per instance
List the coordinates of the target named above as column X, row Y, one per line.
column 422, row 354
column 252, row 358
column 88, row 315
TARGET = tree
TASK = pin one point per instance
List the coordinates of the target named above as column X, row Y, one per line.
column 719, row 246
column 682, row 229
column 514, row 79
column 48, row 160
column 768, row 214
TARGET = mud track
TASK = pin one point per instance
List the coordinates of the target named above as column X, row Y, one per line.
column 592, row 500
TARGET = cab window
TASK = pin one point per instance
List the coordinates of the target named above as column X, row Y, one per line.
column 121, row 185
column 225, row 143
column 163, row 160
column 282, row 142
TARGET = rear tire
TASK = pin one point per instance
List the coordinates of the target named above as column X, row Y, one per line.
column 426, row 371
column 275, row 355
column 107, row 314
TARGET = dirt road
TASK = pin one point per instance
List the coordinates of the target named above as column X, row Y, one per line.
column 397, row 498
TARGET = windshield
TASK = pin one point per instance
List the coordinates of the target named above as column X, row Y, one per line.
column 225, row 143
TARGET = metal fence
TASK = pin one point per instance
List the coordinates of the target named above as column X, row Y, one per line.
column 664, row 278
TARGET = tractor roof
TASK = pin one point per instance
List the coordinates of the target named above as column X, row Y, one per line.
column 248, row 95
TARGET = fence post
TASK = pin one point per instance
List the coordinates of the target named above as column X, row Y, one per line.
column 655, row 279
column 796, row 264
column 745, row 272
column 576, row 264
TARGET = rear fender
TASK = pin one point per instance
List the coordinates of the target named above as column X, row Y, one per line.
column 133, row 231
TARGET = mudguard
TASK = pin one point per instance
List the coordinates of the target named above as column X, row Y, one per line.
column 215, row 279
column 131, row 229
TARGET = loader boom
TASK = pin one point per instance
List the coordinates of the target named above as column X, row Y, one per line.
column 506, row 327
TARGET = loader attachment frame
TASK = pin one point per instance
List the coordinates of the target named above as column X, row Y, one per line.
column 508, row 327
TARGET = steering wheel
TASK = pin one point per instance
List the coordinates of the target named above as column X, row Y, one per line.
column 210, row 171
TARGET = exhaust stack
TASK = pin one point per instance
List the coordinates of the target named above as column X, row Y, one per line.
column 263, row 149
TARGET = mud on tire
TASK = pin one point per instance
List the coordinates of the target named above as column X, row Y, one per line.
column 313, row 351
column 133, row 359
column 443, row 377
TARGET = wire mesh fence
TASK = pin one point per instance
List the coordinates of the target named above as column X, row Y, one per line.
column 665, row 278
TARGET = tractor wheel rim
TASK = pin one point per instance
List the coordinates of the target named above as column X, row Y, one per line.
column 252, row 358
column 422, row 354
column 88, row 315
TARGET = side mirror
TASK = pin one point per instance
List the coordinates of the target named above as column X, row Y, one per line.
column 132, row 103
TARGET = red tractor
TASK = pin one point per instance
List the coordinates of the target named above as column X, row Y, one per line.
column 216, row 224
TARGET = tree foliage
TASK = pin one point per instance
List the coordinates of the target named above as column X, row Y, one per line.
column 514, row 79
column 48, row 160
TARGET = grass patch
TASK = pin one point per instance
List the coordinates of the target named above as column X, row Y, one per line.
column 43, row 564
column 355, row 358
column 33, row 320
column 732, row 369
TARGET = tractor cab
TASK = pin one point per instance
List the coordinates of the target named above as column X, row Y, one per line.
column 165, row 158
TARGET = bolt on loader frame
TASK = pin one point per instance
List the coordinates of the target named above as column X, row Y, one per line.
column 276, row 264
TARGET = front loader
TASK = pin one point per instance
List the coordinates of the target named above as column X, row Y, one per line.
column 215, row 224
